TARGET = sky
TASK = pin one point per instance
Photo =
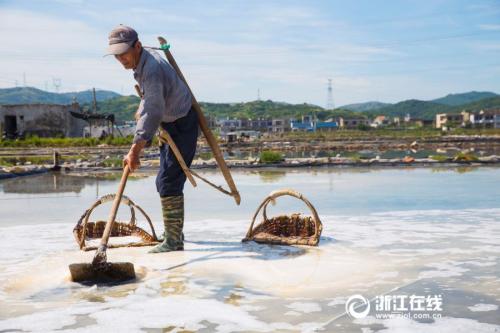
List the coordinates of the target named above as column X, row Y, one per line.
column 240, row 50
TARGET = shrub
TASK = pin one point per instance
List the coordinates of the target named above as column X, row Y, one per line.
column 269, row 156
column 113, row 162
column 439, row 158
column 363, row 127
column 464, row 157
column 35, row 141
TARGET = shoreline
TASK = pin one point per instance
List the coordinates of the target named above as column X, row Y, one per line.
column 336, row 163
column 335, row 152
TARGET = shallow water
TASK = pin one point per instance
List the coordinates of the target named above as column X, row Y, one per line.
column 386, row 231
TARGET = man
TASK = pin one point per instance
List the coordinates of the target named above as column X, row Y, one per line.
column 166, row 102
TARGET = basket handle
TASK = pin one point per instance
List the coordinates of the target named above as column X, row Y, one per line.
column 278, row 193
column 84, row 219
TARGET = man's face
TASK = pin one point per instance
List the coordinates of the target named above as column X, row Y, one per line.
column 130, row 58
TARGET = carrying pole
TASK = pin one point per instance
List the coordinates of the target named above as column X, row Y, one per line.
column 212, row 142
column 166, row 136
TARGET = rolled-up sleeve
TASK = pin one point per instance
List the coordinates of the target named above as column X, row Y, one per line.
column 151, row 107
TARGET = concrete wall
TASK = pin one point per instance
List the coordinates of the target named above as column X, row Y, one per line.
column 44, row 120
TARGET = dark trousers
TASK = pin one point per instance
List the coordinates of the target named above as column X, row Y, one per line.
column 184, row 131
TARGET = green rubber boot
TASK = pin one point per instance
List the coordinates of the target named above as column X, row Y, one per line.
column 173, row 220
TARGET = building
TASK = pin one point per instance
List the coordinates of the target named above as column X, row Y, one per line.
column 300, row 126
column 211, row 122
column 338, row 120
column 245, row 124
column 261, row 125
column 281, row 125
column 380, row 121
column 126, row 129
column 43, row 120
column 229, row 125
column 99, row 125
column 452, row 119
column 486, row 118
column 418, row 122
column 240, row 136
column 326, row 126
column 354, row 122
column 308, row 119
column 306, row 124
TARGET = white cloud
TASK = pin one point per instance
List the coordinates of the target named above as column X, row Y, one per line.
column 71, row 49
column 490, row 27
column 43, row 47
column 289, row 16
column 227, row 51
column 44, row 35
column 486, row 46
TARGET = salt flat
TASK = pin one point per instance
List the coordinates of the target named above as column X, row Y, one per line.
column 398, row 232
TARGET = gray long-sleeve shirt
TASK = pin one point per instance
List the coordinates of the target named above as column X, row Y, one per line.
column 165, row 96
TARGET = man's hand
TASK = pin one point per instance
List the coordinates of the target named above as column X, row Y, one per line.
column 132, row 158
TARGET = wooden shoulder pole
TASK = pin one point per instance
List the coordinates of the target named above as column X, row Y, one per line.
column 165, row 136
column 212, row 142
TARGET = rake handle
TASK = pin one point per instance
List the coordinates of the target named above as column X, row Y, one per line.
column 114, row 209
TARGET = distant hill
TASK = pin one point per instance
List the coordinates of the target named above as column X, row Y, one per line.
column 29, row 95
column 428, row 110
column 124, row 107
column 270, row 109
column 415, row 108
column 258, row 109
column 487, row 103
column 363, row 107
column 464, row 98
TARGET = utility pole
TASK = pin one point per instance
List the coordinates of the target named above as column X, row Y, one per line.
column 94, row 105
column 329, row 99
column 57, row 84
column 258, row 94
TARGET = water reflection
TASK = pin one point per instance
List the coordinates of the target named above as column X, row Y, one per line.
column 271, row 176
column 76, row 182
column 460, row 169
column 56, row 182
column 45, row 183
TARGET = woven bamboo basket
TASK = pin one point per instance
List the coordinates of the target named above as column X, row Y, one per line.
column 294, row 229
column 86, row 230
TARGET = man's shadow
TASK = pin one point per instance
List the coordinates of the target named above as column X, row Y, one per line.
column 250, row 250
